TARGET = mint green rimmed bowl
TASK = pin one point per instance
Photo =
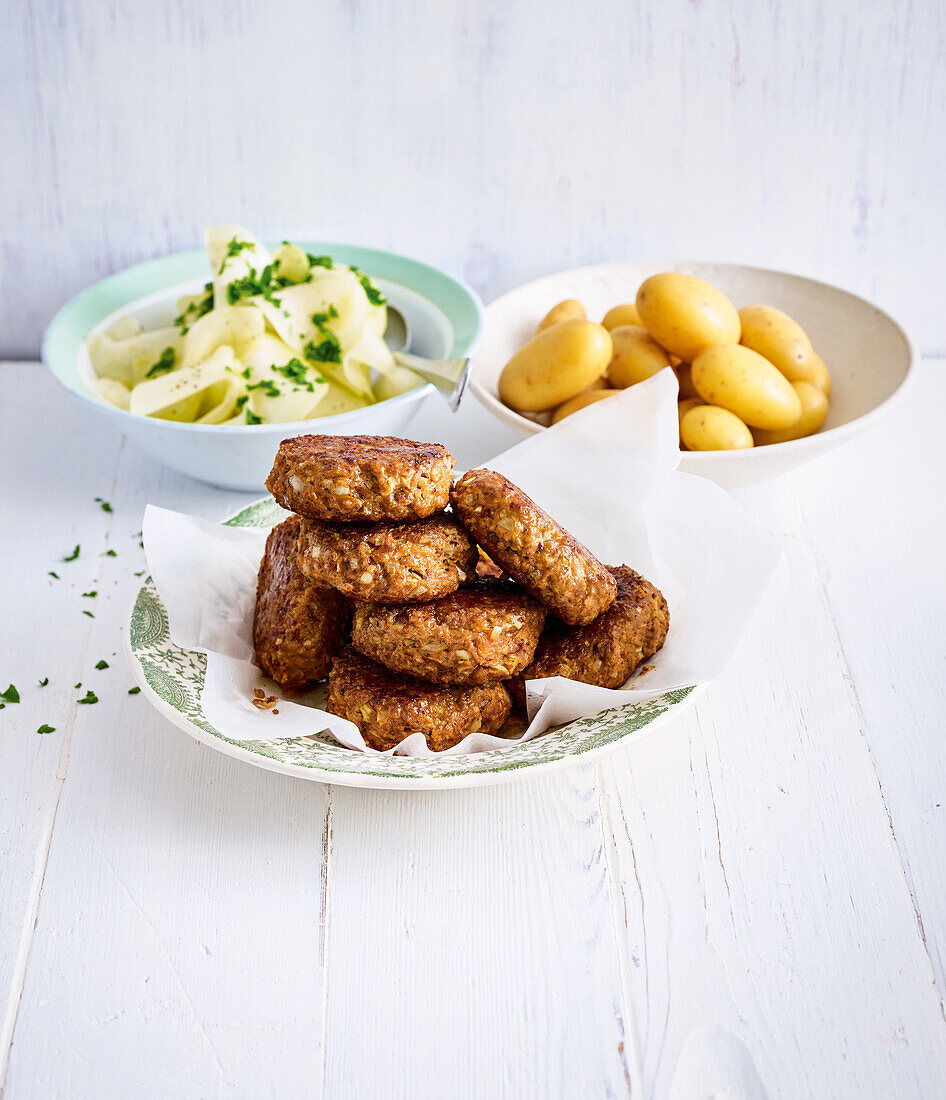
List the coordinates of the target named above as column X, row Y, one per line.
column 444, row 313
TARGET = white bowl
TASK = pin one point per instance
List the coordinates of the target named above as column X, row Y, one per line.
column 868, row 353
column 445, row 317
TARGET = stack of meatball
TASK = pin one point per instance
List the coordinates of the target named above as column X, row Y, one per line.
column 373, row 582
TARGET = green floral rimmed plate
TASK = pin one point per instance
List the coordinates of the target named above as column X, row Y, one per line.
column 172, row 678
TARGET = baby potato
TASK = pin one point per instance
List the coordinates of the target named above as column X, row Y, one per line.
column 740, row 380
column 778, row 338
column 686, row 404
column 636, row 356
column 556, row 365
column 685, row 314
column 685, row 379
column 814, row 408
column 818, row 374
column 568, row 310
column 589, row 397
column 625, row 314
column 711, row 428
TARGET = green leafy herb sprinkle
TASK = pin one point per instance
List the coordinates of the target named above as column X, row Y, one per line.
column 89, row 698
column 101, row 664
column 11, row 695
column 52, row 574
column 163, row 365
column 46, row 729
column 44, row 681
column 134, row 691
column 73, row 555
column 111, row 554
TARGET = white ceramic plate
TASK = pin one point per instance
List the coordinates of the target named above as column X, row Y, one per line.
column 868, row 353
column 172, row 679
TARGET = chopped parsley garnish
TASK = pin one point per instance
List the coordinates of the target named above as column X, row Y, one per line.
column 251, row 285
column 234, row 248
column 90, row 595
column 104, row 504
column 44, row 681
column 52, row 574
column 320, row 261
column 46, row 729
column 111, row 553
column 89, row 613
column 198, row 309
column 101, row 664
column 89, row 697
column 78, row 685
column 298, row 373
column 11, row 695
column 134, row 690
column 268, row 386
column 73, row 555
column 242, row 400
column 252, row 418
column 163, row 365
column 375, row 297
column 320, row 320
column 141, row 574
column 326, row 351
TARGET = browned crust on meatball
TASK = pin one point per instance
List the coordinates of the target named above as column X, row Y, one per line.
column 388, row 562
column 297, row 626
column 535, row 550
column 386, row 706
column 608, row 650
column 487, row 631
column 345, row 478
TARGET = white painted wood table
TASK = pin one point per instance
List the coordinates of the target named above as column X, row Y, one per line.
column 748, row 903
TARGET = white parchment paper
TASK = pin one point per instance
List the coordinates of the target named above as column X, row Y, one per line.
column 608, row 474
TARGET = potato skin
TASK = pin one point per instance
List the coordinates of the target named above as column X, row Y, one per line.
column 589, row 397
column 685, row 379
column 555, row 365
column 624, row 314
column 814, row 409
column 568, row 310
column 636, row 356
column 741, row 381
column 818, row 374
column 711, row 428
column 778, row 338
column 685, row 314
column 686, row 404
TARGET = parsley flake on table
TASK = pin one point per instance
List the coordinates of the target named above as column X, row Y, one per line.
column 90, row 595
column 111, row 553
column 46, row 729
column 73, row 555
column 89, row 697
column 52, row 574
column 11, row 695
column 141, row 573
column 163, row 365
column 44, row 681
column 101, row 664
column 103, row 504
column 89, row 613
column 78, row 685
column 134, row 691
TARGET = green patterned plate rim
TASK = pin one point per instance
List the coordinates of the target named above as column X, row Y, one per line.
column 172, row 678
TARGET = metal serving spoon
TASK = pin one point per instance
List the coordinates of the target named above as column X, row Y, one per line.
column 448, row 375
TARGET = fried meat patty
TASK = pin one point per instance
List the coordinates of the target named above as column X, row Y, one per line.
column 387, row 706
column 388, row 562
column 346, row 478
column 485, row 632
column 297, row 626
column 608, row 650
column 532, row 547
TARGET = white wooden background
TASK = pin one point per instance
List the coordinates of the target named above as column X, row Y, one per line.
column 748, row 904
column 502, row 139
